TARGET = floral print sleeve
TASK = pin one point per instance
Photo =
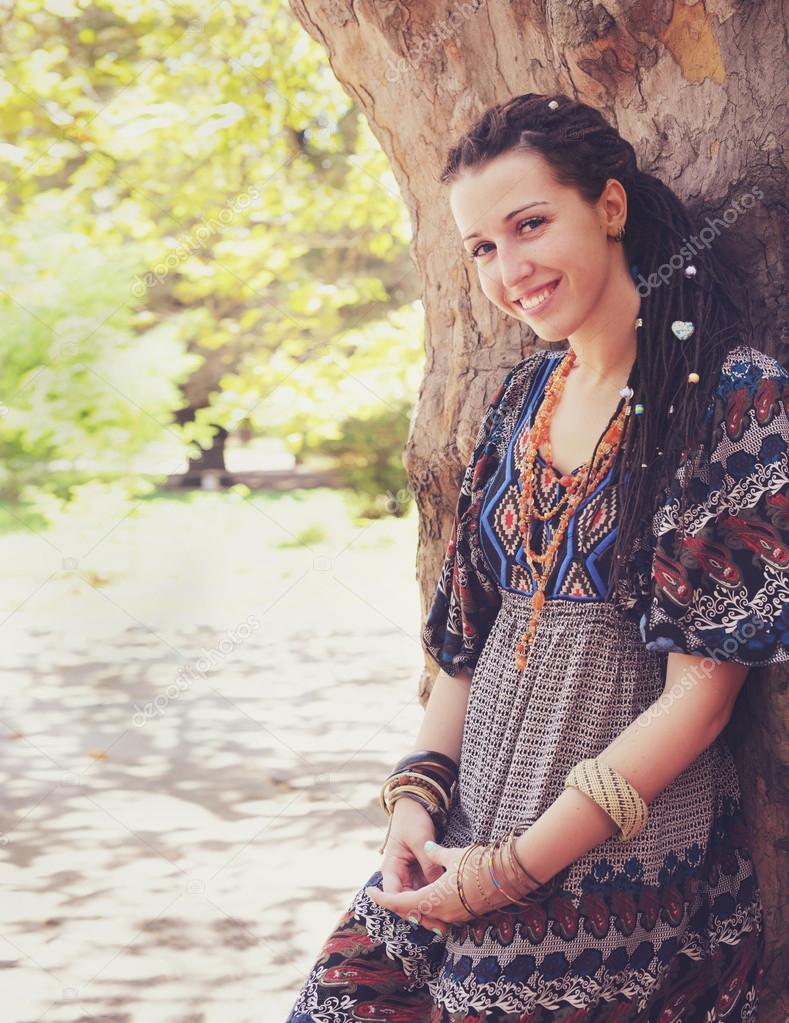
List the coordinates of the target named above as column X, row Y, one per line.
column 467, row 597
column 720, row 576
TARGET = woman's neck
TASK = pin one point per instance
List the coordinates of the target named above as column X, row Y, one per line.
column 605, row 366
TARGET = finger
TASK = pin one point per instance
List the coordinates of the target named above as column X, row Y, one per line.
column 403, row 903
column 437, row 853
column 396, row 901
column 429, row 911
column 432, row 923
column 394, row 877
column 440, row 898
column 420, row 903
column 408, row 909
column 431, row 869
column 438, row 927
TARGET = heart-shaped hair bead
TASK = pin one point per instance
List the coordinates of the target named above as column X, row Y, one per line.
column 682, row 329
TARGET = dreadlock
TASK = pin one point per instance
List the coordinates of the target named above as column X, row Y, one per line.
column 584, row 151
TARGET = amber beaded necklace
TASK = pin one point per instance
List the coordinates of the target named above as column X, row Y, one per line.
column 574, row 491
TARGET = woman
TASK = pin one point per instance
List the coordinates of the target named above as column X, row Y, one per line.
column 619, row 559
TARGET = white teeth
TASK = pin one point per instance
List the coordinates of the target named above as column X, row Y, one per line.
column 530, row 303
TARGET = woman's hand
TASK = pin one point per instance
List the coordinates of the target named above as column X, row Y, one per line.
column 406, row 866
column 439, row 900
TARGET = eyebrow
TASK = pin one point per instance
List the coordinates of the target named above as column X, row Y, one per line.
column 520, row 209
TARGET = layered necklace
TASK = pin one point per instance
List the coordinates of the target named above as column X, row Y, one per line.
column 529, row 442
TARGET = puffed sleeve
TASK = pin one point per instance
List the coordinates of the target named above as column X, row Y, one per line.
column 467, row 597
column 720, row 577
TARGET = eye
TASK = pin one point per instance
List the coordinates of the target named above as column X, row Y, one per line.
column 475, row 253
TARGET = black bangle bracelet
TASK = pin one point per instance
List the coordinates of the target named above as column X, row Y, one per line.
column 440, row 758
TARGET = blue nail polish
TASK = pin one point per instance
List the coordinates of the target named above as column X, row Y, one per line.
column 430, row 845
column 438, row 931
column 413, row 920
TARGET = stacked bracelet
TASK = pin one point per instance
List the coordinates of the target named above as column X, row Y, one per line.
column 459, row 878
column 506, row 874
column 612, row 793
column 509, row 860
column 426, row 776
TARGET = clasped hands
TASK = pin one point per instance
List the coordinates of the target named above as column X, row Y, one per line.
column 440, row 899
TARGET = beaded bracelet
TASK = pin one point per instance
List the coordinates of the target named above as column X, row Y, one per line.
column 440, row 769
column 437, row 797
column 436, row 773
column 433, row 786
column 418, row 780
column 421, row 795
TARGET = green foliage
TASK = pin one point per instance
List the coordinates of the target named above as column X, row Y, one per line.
column 369, row 454
column 306, row 537
column 84, row 387
column 221, row 196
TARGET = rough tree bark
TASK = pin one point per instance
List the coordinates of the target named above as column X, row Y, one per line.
column 700, row 90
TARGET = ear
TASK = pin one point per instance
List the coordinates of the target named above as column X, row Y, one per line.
column 613, row 206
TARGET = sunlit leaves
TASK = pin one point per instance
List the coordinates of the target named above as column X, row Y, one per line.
column 228, row 196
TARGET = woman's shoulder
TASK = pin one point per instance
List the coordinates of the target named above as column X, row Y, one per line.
column 748, row 424
column 538, row 358
column 523, row 372
column 507, row 402
column 746, row 365
column 750, row 394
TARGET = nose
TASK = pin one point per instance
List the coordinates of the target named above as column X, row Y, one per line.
column 516, row 270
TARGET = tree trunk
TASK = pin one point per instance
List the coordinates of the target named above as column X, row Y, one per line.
column 212, row 458
column 698, row 89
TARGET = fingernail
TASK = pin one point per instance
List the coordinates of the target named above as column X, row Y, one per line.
column 430, row 845
column 438, row 931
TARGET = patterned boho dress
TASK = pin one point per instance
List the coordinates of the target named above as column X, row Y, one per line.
column 666, row 928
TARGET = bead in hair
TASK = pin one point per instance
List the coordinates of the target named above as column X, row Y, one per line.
column 682, row 329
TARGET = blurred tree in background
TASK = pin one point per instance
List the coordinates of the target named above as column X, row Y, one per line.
column 201, row 236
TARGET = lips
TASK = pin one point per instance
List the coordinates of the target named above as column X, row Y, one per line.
column 549, row 286
column 536, row 291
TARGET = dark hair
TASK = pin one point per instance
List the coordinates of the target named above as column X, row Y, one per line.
column 584, row 151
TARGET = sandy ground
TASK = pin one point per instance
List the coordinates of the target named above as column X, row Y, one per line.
column 196, row 721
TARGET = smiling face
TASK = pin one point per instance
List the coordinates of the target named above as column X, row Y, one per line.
column 526, row 232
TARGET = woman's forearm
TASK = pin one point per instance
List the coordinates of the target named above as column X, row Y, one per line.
column 442, row 725
column 650, row 753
